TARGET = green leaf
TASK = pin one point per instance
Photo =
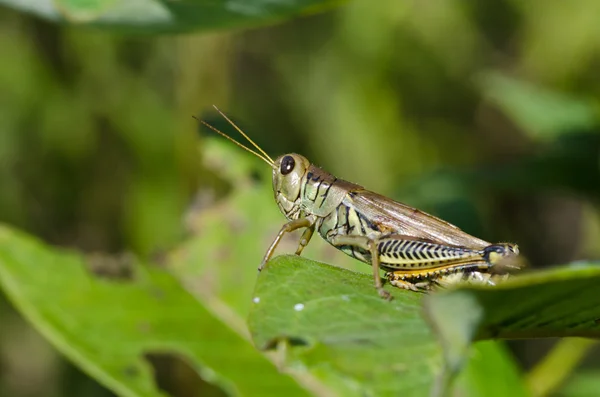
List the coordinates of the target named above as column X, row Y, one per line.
column 540, row 112
column 338, row 327
column 342, row 331
column 491, row 372
column 553, row 303
column 107, row 326
column 170, row 16
column 583, row 384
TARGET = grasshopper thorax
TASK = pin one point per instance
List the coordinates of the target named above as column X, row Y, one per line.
column 289, row 171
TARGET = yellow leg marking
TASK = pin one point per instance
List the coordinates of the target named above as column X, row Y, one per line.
column 448, row 267
column 288, row 227
column 441, row 276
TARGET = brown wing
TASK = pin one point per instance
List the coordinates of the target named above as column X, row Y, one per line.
column 398, row 218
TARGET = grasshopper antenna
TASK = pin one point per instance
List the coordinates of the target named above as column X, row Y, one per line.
column 262, row 155
column 243, row 134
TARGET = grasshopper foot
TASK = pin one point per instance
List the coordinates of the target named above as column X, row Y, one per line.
column 384, row 294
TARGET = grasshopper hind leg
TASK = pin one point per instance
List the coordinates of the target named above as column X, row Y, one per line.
column 475, row 274
column 369, row 245
column 409, row 285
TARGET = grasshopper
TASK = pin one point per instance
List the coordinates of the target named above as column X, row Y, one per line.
column 417, row 250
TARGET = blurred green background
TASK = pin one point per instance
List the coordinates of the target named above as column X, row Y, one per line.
column 484, row 113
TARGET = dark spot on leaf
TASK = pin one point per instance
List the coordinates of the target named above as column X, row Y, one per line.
column 174, row 375
column 295, row 341
column 349, row 341
column 157, row 293
column 131, row 372
column 291, row 341
column 144, row 327
column 113, row 268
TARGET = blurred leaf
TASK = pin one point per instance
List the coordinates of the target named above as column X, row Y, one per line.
column 107, row 326
column 583, row 384
column 170, row 16
column 342, row 331
column 554, row 303
column 490, row 372
column 540, row 112
column 568, row 163
column 558, row 365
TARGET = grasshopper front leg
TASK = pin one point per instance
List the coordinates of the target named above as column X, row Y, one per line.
column 306, row 236
column 369, row 245
column 308, row 222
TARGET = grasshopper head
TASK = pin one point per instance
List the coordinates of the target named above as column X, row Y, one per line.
column 289, row 171
column 503, row 254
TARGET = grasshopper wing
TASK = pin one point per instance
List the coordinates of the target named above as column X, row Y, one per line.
column 392, row 217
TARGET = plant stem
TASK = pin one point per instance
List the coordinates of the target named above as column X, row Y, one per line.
column 558, row 364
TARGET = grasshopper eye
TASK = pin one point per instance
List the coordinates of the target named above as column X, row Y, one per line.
column 287, row 165
column 494, row 249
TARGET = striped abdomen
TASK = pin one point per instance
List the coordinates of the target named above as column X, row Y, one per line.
column 407, row 254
